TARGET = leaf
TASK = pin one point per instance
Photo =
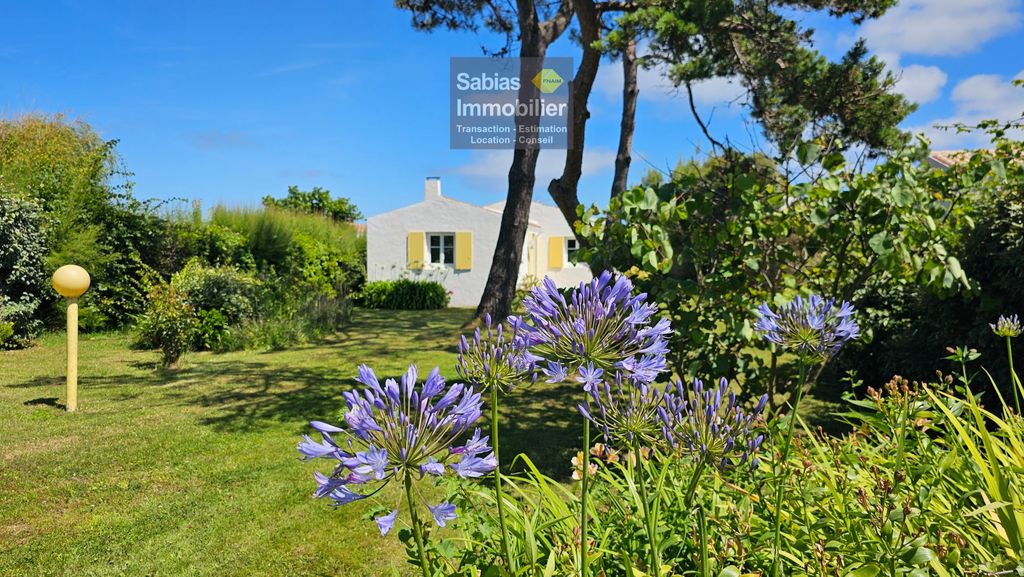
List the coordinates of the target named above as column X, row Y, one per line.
column 918, row 555
column 954, row 267
column 866, row 571
column 901, row 196
column 729, row 571
column 549, row 568
column 881, row 244
column 807, row 152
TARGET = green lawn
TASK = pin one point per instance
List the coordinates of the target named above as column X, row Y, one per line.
column 194, row 471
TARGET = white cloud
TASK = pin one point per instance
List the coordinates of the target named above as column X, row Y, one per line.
column 920, row 84
column 655, row 87
column 976, row 98
column 487, row 171
column 941, row 27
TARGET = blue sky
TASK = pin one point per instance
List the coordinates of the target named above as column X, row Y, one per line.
column 229, row 101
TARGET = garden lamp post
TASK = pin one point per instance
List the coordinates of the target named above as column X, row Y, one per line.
column 71, row 281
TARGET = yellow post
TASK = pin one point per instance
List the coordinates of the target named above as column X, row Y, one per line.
column 71, row 281
column 72, row 354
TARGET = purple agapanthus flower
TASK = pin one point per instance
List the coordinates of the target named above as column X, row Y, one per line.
column 600, row 325
column 442, row 513
column 471, row 466
column 398, row 430
column 497, row 358
column 625, row 411
column 590, row 377
column 432, row 467
column 555, row 372
column 814, row 325
column 708, row 423
column 386, row 522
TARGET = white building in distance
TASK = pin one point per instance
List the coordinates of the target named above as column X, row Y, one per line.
column 453, row 242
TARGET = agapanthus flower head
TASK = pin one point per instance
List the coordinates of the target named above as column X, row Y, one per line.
column 813, row 325
column 398, row 429
column 1007, row 326
column 496, row 358
column 599, row 325
column 709, row 423
column 625, row 411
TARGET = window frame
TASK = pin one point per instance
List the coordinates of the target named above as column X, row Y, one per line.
column 446, row 241
column 570, row 251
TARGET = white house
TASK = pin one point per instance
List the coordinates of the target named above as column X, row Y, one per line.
column 453, row 242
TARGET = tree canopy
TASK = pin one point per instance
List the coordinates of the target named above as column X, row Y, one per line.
column 316, row 201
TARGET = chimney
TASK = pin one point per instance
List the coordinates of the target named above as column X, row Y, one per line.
column 432, row 188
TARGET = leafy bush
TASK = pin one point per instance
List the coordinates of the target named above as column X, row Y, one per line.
column 22, row 273
column 91, row 218
column 924, row 324
column 721, row 238
column 168, row 324
column 405, row 294
column 230, row 292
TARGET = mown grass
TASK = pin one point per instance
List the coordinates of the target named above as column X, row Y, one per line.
column 194, row 471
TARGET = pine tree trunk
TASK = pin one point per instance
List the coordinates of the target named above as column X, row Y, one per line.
column 508, row 253
column 535, row 37
column 630, row 91
column 564, row 189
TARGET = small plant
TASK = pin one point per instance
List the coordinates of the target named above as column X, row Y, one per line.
column 169, row 323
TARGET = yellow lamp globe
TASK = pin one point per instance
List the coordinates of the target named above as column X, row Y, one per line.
column 71, row 281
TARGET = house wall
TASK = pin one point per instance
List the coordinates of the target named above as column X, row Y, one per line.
column 386, row 256
column 386, row 249
column 552, row 223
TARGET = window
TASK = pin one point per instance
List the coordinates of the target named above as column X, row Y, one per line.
column 442, row 248
column 571, row 246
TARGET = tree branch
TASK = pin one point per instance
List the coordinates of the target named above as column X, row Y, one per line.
column 700, row 121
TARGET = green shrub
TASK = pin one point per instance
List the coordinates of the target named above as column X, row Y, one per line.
column 405, row 294
column 230, row 292
column 924, row 324
column 6, row 333
column 22, row 273
column 168, row 324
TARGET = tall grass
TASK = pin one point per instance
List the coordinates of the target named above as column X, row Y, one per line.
column 273, row 233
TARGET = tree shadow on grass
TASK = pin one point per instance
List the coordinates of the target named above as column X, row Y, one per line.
column 46, row 402
column 542, row 422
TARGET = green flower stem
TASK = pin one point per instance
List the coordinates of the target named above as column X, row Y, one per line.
column 638, row 478
column 1014, row 379
column 783, row 474
column 688, row 499
column 497, row 479
column 584, row 562
column 705, row 570
column 416, row 525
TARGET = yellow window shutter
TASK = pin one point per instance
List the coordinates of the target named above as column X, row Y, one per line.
column 464, row 250
column 556, row 252
column 415, row 246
